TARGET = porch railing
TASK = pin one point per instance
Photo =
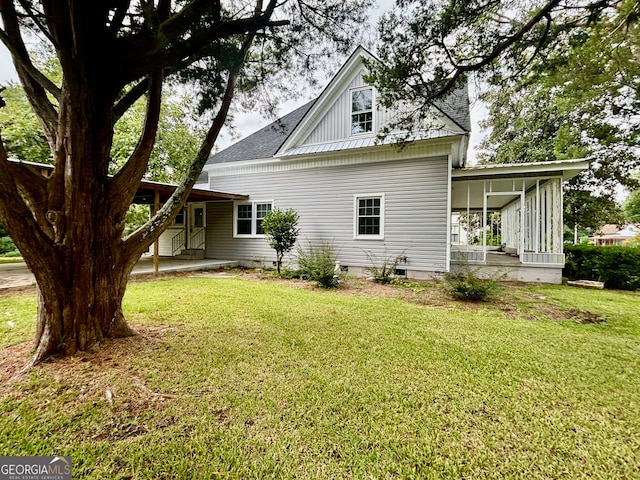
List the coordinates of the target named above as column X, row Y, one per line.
column 197, row 239
column 544, row 258
column 471, row 256
column 177, row 242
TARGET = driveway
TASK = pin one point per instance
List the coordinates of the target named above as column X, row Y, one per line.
column 18, row 274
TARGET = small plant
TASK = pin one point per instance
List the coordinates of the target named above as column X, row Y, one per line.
column 281, row 229
column 320, row 265
column 415, row 287
column 382, row 271
column 467, row 286
column 7, row 247
column 289, row 274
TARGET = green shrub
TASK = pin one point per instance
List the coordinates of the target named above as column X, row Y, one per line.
column 281, row 231
column 415, row 287
column 618, row 267
column 7, row 247
column 467, row 286
column 383, row 270
column 318, row 264
column 289, row 274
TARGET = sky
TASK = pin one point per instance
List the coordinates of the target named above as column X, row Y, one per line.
column 247, row 123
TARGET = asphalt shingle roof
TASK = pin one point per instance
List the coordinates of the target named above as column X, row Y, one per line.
column 265, row 142
column 456, row 107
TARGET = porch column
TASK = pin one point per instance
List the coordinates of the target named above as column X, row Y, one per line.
column 484, row 222
column 557, row 216
column 468, row 229
column 522, row 220
column 156, row 244
column 537, row 217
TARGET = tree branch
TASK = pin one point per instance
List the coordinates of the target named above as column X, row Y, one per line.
column 16, row 214
column 497, row 50
column 126, row 181
column 164, row 48
column 140, row 240
column 120, row 13
column 34, row 82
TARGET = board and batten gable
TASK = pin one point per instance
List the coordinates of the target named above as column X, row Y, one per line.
column 414, row 187
column 329, row 119
column 336, row 123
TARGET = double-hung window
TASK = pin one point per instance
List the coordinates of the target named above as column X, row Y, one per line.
column 361, row 111
column 179, row 220
column 248, row 216
column 369, row 216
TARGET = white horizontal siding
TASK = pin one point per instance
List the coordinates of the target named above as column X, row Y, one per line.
column 415, row 211
column 419, row 150
column 165, row 248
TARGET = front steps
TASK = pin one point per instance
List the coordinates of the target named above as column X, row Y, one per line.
column 190, row 254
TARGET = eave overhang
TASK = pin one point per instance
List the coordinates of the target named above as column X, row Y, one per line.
column 146, row 192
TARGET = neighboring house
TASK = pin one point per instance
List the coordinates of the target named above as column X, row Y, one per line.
column 370, row 199
column 612, row 235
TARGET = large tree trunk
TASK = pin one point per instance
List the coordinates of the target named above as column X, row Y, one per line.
column 81, row 287
column 79, row 311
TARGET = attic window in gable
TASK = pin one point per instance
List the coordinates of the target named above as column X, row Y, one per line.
column 361, row 111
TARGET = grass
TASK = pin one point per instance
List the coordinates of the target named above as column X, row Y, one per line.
column 11, row 260
column 238, row 378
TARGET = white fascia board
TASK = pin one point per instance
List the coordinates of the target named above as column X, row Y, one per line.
column 321, row 107
column 568, row 169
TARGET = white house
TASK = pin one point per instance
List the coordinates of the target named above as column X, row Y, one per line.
column 371, row 199
column 611, row 234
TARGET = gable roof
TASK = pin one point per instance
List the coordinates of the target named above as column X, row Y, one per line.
column 282, row 135
column 456, row 106
column 265, row 142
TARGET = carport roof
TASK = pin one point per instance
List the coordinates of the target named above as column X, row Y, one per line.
column 146, row 190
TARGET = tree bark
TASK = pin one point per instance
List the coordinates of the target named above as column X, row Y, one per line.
column 80, row 290
column 81, row 286
column 79, row 312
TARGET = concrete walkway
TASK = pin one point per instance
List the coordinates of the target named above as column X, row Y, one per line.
column 18, row 275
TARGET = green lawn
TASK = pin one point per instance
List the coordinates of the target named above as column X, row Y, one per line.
column 11, row 260
column 247, row 379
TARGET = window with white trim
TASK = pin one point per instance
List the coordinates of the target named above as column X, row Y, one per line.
column 248, row 216
column 179, row 220
column 362, row 111
column 369, row 216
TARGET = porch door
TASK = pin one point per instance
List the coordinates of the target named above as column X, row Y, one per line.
column 197, row 226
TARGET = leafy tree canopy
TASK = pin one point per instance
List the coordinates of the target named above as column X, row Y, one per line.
column 562, row 79
column 580, row 100
column 429, row 47
column 69, row 225
column 176, row 144
column 632, row 207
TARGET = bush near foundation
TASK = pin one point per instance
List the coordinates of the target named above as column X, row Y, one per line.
column 617, row 267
